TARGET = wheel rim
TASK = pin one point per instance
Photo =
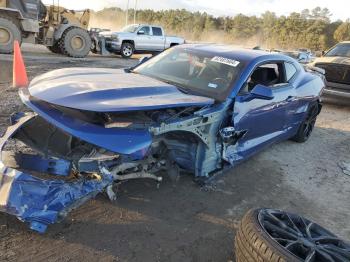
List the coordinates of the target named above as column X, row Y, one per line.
column 303, row 238
column 310, row 121
column 5, row 36
column 127, row 50
column 77, row 43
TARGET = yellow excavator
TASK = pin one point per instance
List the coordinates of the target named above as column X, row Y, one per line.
column 30, row 21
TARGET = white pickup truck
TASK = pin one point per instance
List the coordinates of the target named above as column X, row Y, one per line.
column 139, row 38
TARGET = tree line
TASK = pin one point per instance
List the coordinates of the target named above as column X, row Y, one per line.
column 311, row 29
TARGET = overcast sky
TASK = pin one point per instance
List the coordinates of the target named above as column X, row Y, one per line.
column 339, row 8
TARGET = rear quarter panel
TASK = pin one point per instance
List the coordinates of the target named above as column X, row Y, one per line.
column 307, row 90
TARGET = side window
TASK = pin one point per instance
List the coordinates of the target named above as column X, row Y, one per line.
column 145, row 29
column 269, row 74
column 290, row 71
column 157, row 31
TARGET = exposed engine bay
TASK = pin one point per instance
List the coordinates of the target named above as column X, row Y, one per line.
column 179, row 137
column 183, row 140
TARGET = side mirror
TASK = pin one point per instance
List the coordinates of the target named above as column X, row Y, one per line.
column 261, row 92
column 141, row 32
column 323, row 53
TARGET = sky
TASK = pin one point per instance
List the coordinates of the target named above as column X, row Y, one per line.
column 339, row 8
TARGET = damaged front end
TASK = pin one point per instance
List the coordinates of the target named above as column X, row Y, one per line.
column 40, row 201
column 83, row 138
column 55, row 159
column 46, row 172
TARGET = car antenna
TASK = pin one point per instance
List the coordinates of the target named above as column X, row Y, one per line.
column 20, row 78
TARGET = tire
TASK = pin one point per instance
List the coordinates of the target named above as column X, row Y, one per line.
column 254, row 239
column 55, row 48
column 94, row 46
column 75, row 42
column 9, row 32
column 307, row 126
column 127, row 50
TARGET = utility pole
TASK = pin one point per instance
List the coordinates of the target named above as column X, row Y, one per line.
column 135, row 11
column 127, row 13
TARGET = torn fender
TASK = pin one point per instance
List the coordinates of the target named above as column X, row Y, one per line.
column 134, row 143
column 37, row 201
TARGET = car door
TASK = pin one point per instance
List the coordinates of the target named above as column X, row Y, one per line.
column 158, row 39
column 262, row 120
column 143, row 38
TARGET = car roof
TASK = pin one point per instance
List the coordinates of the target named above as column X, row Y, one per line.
column 237, row 53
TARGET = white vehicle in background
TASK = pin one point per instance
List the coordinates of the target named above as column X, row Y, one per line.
column 139, row 38
column 302, row 57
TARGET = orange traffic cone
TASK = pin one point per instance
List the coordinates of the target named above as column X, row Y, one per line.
column 20, row 78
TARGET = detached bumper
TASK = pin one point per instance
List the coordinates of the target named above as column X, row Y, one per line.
column 37, row 201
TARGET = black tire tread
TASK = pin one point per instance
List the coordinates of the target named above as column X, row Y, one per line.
column 252, row 244
column 299, row 137
column 63, row 47
column 55, row 48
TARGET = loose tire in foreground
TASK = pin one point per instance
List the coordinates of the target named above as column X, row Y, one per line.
column 75, row 42
column 9, row 32
column 274, row 235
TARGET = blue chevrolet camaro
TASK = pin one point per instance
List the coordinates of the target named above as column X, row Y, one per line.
column 192, row 108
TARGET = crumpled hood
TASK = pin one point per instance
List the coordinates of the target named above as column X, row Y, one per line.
column 109, row 90
column 333, row 60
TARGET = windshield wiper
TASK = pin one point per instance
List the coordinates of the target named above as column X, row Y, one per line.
column 179, row 87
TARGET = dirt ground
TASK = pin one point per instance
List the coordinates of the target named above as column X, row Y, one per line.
column 179, row 221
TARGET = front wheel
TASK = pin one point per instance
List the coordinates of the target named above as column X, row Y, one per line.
column 127, row 50
column 307, row 126
column 75, row 42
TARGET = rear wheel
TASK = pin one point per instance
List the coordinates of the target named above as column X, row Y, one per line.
column 127, row 50
column 75, row 42
column 307, row 126
column 9, row 32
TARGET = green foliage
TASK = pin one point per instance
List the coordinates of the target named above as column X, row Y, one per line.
column 308, row 29
column 343, row 32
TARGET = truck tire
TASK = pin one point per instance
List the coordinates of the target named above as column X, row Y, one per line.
column 55, row 48
column 75, row 42
column 127, row 50
column 278, row 236
column 9, row 32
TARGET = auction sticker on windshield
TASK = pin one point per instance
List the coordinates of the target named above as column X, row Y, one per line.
column 225, row 61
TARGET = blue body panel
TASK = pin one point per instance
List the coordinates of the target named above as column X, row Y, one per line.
column 261, row 120
column 41, row 202
column 109, row 90
column 119, row 140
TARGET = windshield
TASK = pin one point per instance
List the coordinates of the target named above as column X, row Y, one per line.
column 340, row 50
column 193, row 71
column 130, row 28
